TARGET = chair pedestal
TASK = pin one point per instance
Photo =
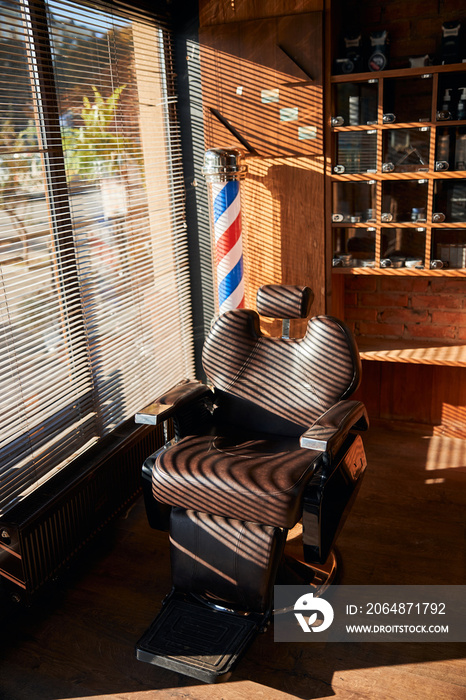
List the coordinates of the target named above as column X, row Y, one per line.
column 204, row 640
column 223, row 572
column 295, row 570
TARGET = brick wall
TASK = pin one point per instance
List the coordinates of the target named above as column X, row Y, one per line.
column 406, row 307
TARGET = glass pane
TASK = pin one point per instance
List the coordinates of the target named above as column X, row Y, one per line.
column 96, row 73
column 451, row 102
column 404, row 201
column 407, row 100
column 356, row 152
column 115, row 131
column 353, row 247
column 406, row 150
column 355, row 103
column 353, row 202
column 449, row 201
column 44, row 390
column 402, row 247
column 449, row 247
column 450, row 148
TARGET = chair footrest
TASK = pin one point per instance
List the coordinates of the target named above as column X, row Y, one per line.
column 197, row 640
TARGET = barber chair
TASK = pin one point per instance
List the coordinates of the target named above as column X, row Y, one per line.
column 272, row 443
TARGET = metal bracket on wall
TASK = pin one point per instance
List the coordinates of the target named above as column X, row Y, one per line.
column 233, row 131
column 292, row 58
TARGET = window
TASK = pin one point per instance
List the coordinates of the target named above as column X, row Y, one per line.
column 94, row 288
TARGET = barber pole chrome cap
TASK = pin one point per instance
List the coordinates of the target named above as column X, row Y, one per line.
column 223, row 170
column 221, row 164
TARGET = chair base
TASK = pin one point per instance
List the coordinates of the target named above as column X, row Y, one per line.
column 317, row 576
column 299, row 572
column 198, row 640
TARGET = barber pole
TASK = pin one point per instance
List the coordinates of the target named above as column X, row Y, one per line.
column 228, row 245
column 223, row 171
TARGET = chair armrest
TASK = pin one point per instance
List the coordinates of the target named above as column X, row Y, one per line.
column 165, row 406
column 329, row 431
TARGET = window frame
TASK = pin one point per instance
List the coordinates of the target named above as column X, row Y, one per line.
column 45, row 93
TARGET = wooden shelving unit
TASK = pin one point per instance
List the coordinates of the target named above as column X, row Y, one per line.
column 413, row 352
column 402, row 272
column 398, row 73
column 413, row 359
column 427, row 174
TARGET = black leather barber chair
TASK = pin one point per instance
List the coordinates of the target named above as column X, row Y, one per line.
column 270, row 443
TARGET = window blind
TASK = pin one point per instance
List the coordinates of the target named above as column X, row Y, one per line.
column 95, row 316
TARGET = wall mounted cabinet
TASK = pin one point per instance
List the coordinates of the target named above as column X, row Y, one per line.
column 399, row 179
column 396, row 222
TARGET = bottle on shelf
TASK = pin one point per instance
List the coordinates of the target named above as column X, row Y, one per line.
column 353, row 46
column 353, row 110
column 460, row 150
column 443, row 147
column 457, row 201
column 461, row 111
column 451, row 42
column 445, row 113
column 445, row 150
column 378, row 59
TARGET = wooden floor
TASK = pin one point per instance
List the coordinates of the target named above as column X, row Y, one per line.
column 408, row 526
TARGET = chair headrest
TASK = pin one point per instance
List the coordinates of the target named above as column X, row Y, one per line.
column 284, row 301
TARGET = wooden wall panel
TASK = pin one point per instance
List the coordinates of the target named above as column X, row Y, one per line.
column 406, row 392
column 256, row 75
column 283, row 239
column 449, row 400
column 222, row 11
column 432, row 396
column 283, row 193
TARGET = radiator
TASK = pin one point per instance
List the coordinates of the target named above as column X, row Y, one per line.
column 42, row 534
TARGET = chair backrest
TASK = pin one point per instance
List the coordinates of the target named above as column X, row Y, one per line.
column 280, row 385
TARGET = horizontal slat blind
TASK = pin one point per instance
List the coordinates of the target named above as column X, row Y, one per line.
column 95, row 316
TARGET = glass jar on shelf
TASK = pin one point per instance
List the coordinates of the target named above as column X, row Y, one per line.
column 404, row 201
column 353, row 247
column 355, row 103
column 354, row 202
column 407, row 99
column 406, row 150
column 402, row 247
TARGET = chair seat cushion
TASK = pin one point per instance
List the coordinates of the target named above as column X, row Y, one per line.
column 247, row 477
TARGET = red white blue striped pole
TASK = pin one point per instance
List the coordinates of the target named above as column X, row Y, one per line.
column 223, row 171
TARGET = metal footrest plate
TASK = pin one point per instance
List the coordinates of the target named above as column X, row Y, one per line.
column 197, row 640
